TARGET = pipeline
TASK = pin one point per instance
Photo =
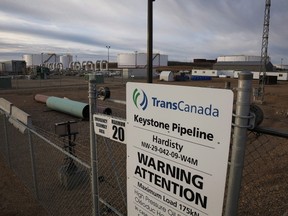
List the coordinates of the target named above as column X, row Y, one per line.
column 97, row 65
column 102, row 65
column 59, row 66
column 84, row 65
column 41, row 98
column 71, row 107
column 71, row 65
column 50, row 66
column 77, row 65
column 89, row 66
column 68, row 106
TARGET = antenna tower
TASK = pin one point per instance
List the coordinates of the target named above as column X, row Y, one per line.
column 264, row 52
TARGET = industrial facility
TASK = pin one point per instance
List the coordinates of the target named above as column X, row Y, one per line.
column 133, row 65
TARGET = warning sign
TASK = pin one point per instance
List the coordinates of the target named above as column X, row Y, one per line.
column 110, row 127
column 177, row 149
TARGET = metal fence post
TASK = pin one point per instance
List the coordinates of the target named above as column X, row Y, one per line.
column 7, row 140
column 93, row 147
column 239, row 142
column 33, row 163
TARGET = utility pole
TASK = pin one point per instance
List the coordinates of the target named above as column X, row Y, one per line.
column 150, row 42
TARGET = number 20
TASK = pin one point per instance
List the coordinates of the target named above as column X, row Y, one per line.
column 119, row 133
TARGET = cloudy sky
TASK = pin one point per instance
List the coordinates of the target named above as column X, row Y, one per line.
column 183, row 29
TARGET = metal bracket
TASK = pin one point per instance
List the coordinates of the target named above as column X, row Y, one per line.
column 251, row 120
column 255, row 117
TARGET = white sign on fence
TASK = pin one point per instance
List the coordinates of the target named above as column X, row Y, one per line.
column 177, row 149
column 110, row 127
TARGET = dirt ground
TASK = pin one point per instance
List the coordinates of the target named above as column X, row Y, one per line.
column 15, row 199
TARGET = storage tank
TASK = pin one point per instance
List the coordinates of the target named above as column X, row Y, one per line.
column 126, row 60
column 38, row 59
column 66, row 60
column 32, row 59
column 139, row 60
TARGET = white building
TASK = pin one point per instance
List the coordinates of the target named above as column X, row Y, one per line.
column 201, row 72
column 280, row 75
column 239, row 58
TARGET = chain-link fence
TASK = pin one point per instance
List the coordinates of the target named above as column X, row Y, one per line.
column 62, row 181
column 264, row 185
column 59, row 180
column 112, row 176
column 20, row 82
column 56, row 80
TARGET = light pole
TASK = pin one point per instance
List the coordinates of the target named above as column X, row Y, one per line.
column 41, row 68
column 108, row 47
column 281, row 63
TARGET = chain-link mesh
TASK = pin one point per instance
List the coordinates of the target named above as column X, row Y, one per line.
column 63, row 182
column 54, row 81
column 112, row 170
column 112, row 175
column 60, row 181
column 264, row 184
column 17, row 152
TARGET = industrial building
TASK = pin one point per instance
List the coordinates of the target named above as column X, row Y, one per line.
column 242, row 62
column 281, row 67
column 13, row 67
column 282, row 76
column 137, row 73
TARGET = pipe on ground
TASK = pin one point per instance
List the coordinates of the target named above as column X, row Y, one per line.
column 68, row 106
column 41, row 98
column 75, row 108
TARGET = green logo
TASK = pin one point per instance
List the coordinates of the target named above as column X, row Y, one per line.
column 137, row 101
